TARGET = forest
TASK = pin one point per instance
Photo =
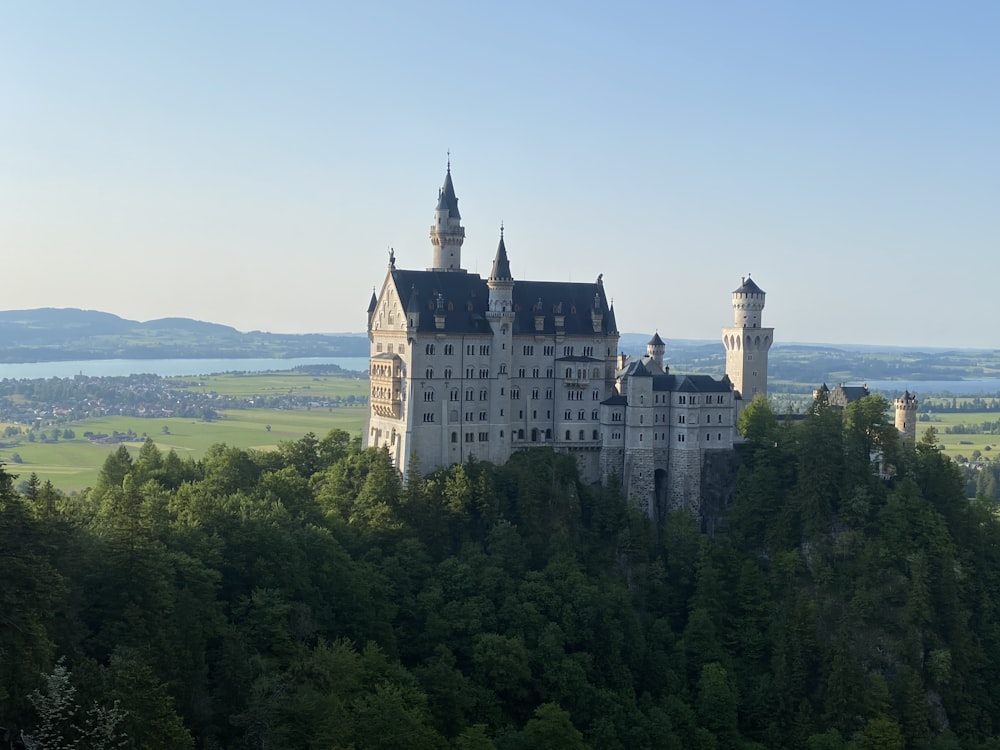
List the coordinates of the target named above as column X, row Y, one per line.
column 310, row 597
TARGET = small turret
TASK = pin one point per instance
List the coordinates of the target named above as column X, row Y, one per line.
column 501, row 284
column 413, row 310
column 906, row 417
column 655, row 349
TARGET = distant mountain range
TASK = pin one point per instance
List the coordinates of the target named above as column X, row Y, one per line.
column 51, row 334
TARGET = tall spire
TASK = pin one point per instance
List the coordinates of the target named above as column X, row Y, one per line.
column 501, row 266
column 447, row 232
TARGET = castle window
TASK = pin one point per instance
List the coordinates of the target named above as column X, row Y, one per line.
column 484, row 350
column 515, row 393
column 469, row 437
column 534, row 435
column 680, row 438
column 581, row 415
column 389, row 349
column 447, row 373
column 529, row 350
column 594, row 414
column 682, row 399
column 520, row 434
column 708, row 418
column 468, row 394
column 567, row 351
column 501, row 412
column 680, row 419
column 549, row 372
column 468, row 416
column 640, row 437
column 430, row 373
column 708, row 436
column 588, row 351
column 501, row 434
column 595, row 373
column 595, row 396
column 449, row 349
column 549, row 351
column 429, row 416
column 596, row 435
column 454, row 437
column 503, row 369
column 454, row 394
column 520, row 372
column 378, row 347
column 534, row 393
column 428, row 395
column 482, row 416
column 548, row 434
column 483, row 437
column 567, row 414
column 583, row 435
column 720, row 436
column 640, row 419
column 534, row 372
column 470, row 372
column 429, row 349
column 534, row 414
column 567, row 435
column 484, row 373
column 483, row 394
column 470, row 348
column 569, row 372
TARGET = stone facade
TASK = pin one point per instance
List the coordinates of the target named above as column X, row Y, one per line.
column 465, row 367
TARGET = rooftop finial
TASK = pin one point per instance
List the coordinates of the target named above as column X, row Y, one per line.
column 501, row 228
column 449, row 159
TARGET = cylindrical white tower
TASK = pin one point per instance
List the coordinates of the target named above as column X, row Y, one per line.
column 447, row 232
column 906, row 417
column 747, row 343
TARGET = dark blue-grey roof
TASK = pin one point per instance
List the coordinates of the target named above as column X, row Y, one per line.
column 615, row 400
column 656, row 340
column 447, row 200
column 466, row 298
column 748, row 287
column 692, row 384
column 372, row 303
column 501, row 266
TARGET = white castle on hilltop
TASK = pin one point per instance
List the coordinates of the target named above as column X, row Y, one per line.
column 465, row 367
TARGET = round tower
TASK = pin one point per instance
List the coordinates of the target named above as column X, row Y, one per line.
column 746, row 342
column 655, row 349
column 906, row 417
column 447, row 232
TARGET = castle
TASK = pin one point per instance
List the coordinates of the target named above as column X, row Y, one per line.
column 464, row 367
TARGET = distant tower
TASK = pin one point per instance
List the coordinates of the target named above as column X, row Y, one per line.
column 655, row 349
column 906, row 417
column 447, row 232
column 747, row 343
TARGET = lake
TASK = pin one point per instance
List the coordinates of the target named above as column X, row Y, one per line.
column 969, row 387
column 168, row 367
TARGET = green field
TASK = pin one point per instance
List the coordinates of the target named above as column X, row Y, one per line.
column 73, row 464
column 963, row 445
column 277, row 384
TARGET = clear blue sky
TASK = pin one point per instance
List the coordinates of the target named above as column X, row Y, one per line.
column 250, row 163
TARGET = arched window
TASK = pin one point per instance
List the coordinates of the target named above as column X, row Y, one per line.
column 454, row 437
column 567, row 435
column 583, row 435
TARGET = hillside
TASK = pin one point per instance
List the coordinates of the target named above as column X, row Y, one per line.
column 51, row 334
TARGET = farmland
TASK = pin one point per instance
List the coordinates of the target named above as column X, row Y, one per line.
column 73, row 464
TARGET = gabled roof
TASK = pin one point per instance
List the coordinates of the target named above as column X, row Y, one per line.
column 372, row 303
column 691, row 384
column 466, row 299
column 748, row 287
column 447, row 200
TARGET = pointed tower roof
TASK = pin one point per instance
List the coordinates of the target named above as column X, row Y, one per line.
column 656, row 340
column 501, row 266
column 612, row 323
column 414, row 303
column 373, row 302
column 747, row 286
column 447, row 200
